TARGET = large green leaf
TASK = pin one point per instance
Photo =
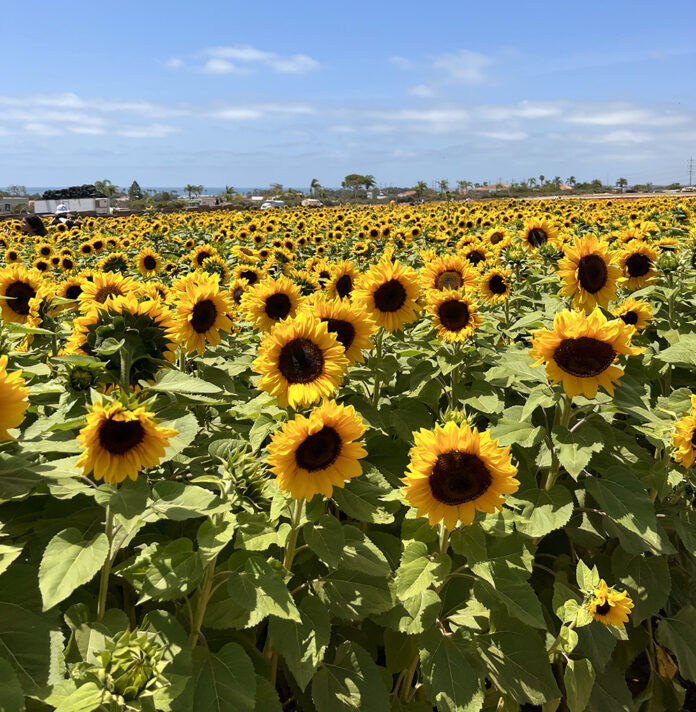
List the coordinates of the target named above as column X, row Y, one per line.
column 418, row 571
column 361, row 497
column 518, row 665
column 352, row 595
column 575, row 448
column 11, row 695
column 610, row 692
column 69, row 561
column 224, row 681
column 514, row 592
column 325, row 539
column 578, row 680
column 174, row 571
column 451, row 672
column 542, row 512
column 302, row 645
column 179, row 501
column 360, row 554
column 352, row 683
column 678, row 633
column 646, row 579
column 172, row 381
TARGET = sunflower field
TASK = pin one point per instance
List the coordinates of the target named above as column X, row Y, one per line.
column 375, row 459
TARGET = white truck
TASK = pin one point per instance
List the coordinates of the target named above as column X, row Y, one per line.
column 100, row 206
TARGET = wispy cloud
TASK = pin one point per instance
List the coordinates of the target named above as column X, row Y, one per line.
column 151, row 131
column 243, row 58
column 463, row 67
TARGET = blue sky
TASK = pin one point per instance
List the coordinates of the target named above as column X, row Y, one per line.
column 243, row 94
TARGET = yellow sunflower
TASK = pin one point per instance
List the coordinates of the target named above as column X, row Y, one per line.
column 13, row 399
column 389, row 292
column 312, row 455
column 684, row 439
column 537, row 232
column 249, row 272
column 350, row 323
column 495, row 286
column 300, row 361
column 447, row 272
column 589, row 273
column 104, row 288
column 119, row 442
column 344, row 276
column 454, row 314
column 201, row 312
column 610, row 606
column 148, row 262
column 580, row 351
column 634, row 312
column 637, row 260
column 271, row 301
column 455, row 471
column 18, row 286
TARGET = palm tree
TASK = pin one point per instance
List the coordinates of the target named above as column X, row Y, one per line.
column 228, row 193
column 191, row 189
column 420, row 188
column 443, row 185
column 622, row 183
column 314, row 186
column 571, row 181
column 463, row 185
column 542, row 179
column 532, row 182
column 369, row 182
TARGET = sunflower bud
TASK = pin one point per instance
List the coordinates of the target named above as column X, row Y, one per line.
column 667, row 262
column 247, row 481
column 456, row 416
column 82, row 378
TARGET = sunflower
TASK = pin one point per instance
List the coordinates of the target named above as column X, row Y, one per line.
column 581, row 349
column 637, row 260
column 300, row 361
column 120, row 442
column 216, row 265
column 609, row 606
column 448, row 272
column 455, row 471
column 494, row 286
column 684, row 439
column 312, row 455
column 202, row 253
column 497, row 238
column 454, row 315
column 104, row 288
column 589, row 273
column 271, row 301
column 18, row 286
column 350, row 323
column 249, row 272
column 148, row 262
column 115, row 262
column 343, row 278
column 389, row 292
column 11, row 255
column 13, row 399
column 70, row 288
column 43, row 249
column 634, row 312
column 536, row 233
column 201, row 312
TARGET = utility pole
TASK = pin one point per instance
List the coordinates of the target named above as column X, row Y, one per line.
column 691, row 169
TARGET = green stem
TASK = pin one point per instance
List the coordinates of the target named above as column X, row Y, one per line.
column 291, row 546
column 203, row 598
column 406, row 692
column 375, row 370
column 443, row 541
column 106, row 568
column 562, row 417
column 125, row 371
column 557, row 642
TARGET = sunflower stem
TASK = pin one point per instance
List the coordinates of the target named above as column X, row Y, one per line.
column 562, row 417
column 557, row 642
column 203, row 598
column 406, row 692
column 375, row 372
column 295, row 519
column 125, row 371
column 443, row 541
column 106, row 568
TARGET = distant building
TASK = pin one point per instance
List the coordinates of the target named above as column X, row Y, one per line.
column 100, row 206
column 8, row 205
column 406, row 194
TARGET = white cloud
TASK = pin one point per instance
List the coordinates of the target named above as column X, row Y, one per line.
column 222, row 60
column 151, row 131
column 421, row 90
column 504, row 135
column 39, row 129
column 464, row 66
column 402, row 62
column 622, row 136
column 626, row 115
column 258, row 111
column 87, row 130
column 174, row 63
column 220, row 66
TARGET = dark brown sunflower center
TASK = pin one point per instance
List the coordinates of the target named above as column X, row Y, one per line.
column 237, row 295
column 603, row 608
column 118, row 437
column 496, row 237
column 450, row 279
column 301, row 361
column 344, row 331
column 68, row 263
column 249, row 275
column 475, row 257
column 390, row 296
column 536, row 237
column 592, row 273
column 20, row 293
column 497, row 284
column 149, row 262
column 110, row 290
column 630, row 318
column 73, row 291
column 201, row 257
column 584, row 357
column 45, row 251
column 278, row 306
column 638, row 265
column 204, row 315
column 459, row 477
column 319, row 450
column 453, row 314
column 344, row 286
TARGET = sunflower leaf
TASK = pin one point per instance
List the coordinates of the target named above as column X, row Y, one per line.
column 325, row 539
column 575, row 448
column 678, row 633
column 541, row 511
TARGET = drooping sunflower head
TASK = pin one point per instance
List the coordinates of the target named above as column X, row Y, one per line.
column 115, row 262
column 271, row 301
column 389, row 292
column 454, row 314
column 580, row 351
column 634, row 312
column 312, row 455
column 637, row 260
column 455, row 471
column 684, row 438
column 495, row 285
column 216, row 265
column 348, row 322
column 300, row 361
column 18, row 286
column 201, row 312
column 14, row 399
column 119, row 442
column 589, row 273
column 609, row 606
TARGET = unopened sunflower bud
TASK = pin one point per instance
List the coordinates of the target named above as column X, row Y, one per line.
column 668, row 262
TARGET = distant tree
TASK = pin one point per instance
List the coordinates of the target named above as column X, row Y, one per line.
column 556, row 181
column 16, row 191
column 193, row 189
column 532, row 182
column 420, row 188
column 621, row 183
column 369, row 182
column 276, row 188
column 314, row 186
column 228, row 193
column 354, row 181
column 542, row 180
column 596, row 185
column 107, row 187
column 135, row 192
column 571, row 181
column 443, row 185
column 463, row 185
